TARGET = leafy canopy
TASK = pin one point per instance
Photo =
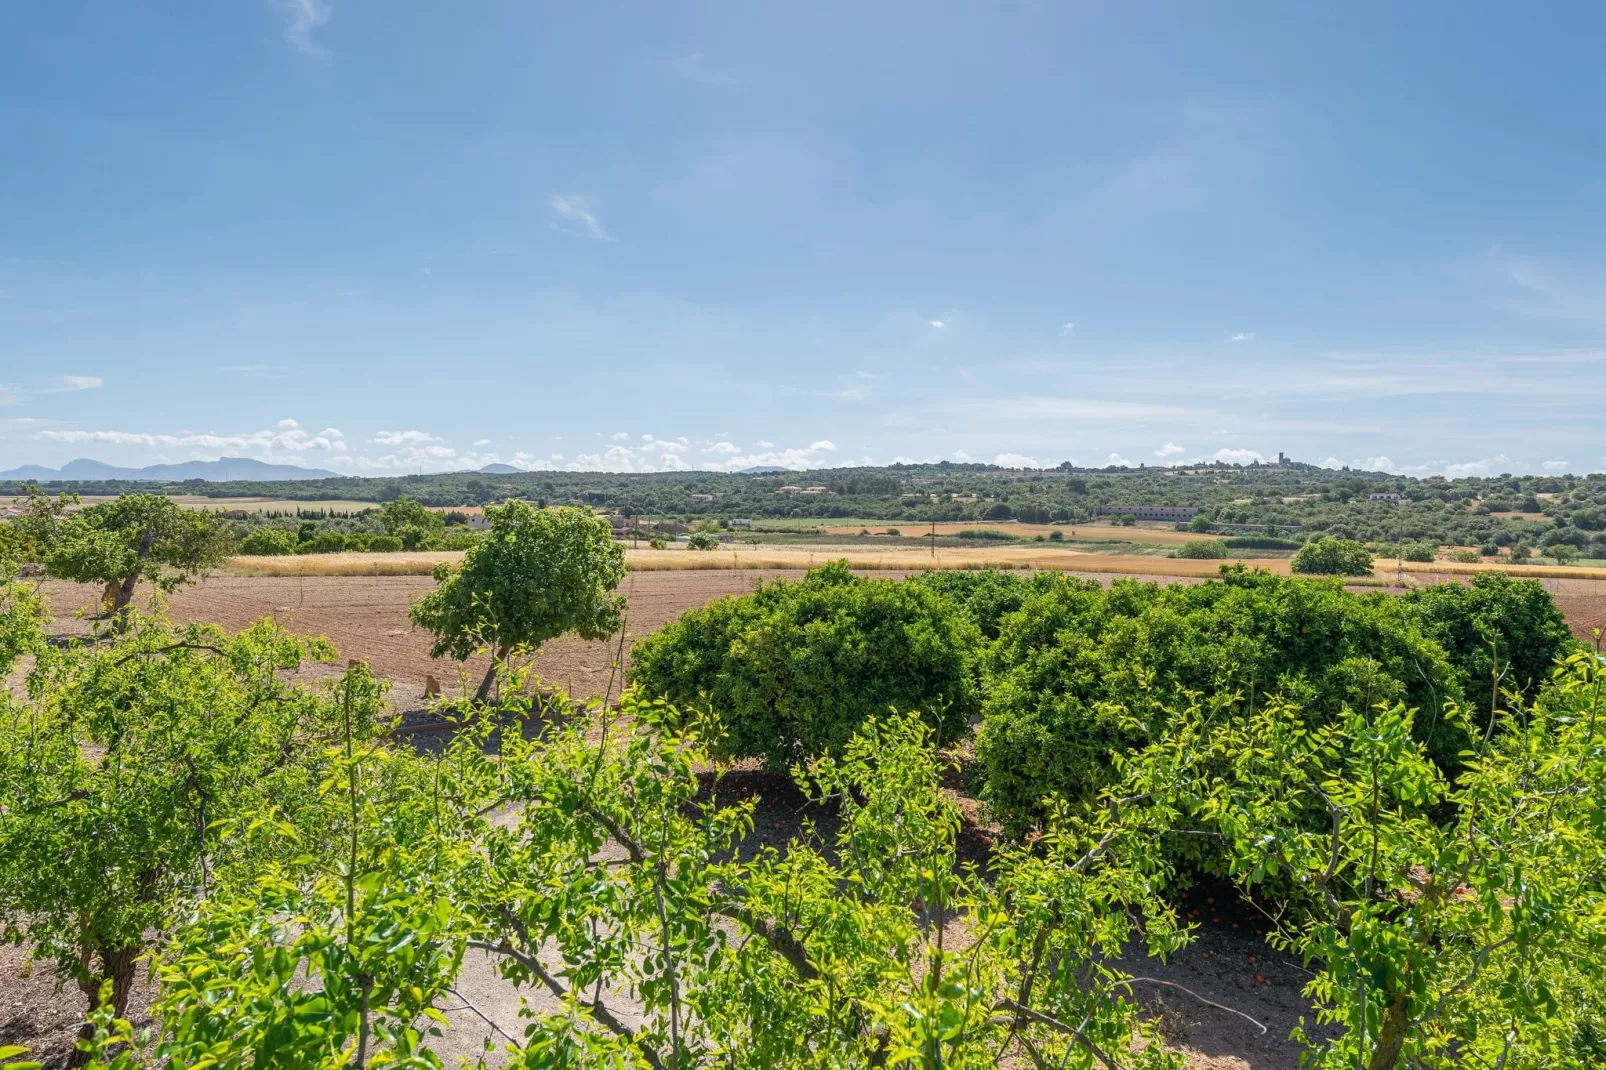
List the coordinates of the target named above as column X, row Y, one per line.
column 418, row 527
column 1329, row 556
column 795, row 669
column 535, row 575
column 120, row 765
column 122, row 542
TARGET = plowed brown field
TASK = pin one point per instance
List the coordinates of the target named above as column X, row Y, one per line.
column 366, row 616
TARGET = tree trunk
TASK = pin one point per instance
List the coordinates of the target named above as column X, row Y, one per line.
column 118, row 967
column 125, row 590
column 1390, row 1035
column 498, row 655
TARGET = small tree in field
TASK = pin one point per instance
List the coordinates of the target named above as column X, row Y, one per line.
column 418, row 528
column 119, row 543
column 537, row 574
column 1328, row 556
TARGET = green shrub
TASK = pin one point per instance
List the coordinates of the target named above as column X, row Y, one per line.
column 1420, row 551
column 894, row 531
column 1489, row 549
column 987, row 534
column 383, row 544
column 702, row 540
column 1056, row 536
column 1080, row 674
column 658, row 544
column 1200, row 523
column 1207, row 548
column 1494, row 620
column 324, row 542
column 1329, row 556
column 794, row 669
column 1466, row 557
column 461, row 538
column 268, row 542
column 986, row 595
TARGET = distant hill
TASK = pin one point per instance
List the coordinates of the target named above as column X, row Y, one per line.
column 224, row 469
column 764, row 470
column 500, row 470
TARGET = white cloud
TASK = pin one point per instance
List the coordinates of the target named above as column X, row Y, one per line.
column 620, row 436
column 1170, row 449
column 1015, row 460
column 962, row 456
column 1232, row 456
column 1067, row 329
column 939, row 324
column 1555, row 466
column 302, row 17
column 279, row 444
column 65, row 383
column 576, row 214
column 1243, row 336
column 287, row 423
column 763, row 443
column 404, row 438
column 823, row 444
column 1485, row 466
column 1117, row 459
column 482, row 442
column 725, row 449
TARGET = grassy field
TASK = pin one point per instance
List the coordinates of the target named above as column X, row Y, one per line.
column 269, row 505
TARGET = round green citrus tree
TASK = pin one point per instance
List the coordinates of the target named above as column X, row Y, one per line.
column 536, row 575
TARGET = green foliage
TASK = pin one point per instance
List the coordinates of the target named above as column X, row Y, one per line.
column 418, row 527
column 1419, row 551
column 1203, row 548
column 23, row 615
column 986, row 595
column 462, row 538
column 1329, row 556
column 120, row 543
column 657, row 544
column 1455, row 923
column 1563, row 553
column 795, row 668
column 535, row 575
column 1056, row 536
column 120, row 769
column 702, row 540
column 383, row 544
column 266, row 542
column 1465, row 557
column 324, row 542
column 987, row 535
column 1200, row 523
column 1260, row 542
column 1080, row 674
column 1494, row 624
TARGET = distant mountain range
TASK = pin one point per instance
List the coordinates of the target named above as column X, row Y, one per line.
column 764, row 470
column 501, row 470
column 222, row 470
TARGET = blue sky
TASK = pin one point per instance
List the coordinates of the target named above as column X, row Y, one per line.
column 383, row 235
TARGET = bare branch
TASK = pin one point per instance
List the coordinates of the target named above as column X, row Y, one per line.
column 1207, row 1002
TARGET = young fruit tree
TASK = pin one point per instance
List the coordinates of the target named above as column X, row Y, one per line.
column 537, row 574
column 119, row 543
column 121, row 763
column 1455, row 923
column 418, row 527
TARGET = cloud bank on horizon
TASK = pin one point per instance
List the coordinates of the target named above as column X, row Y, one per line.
column 1007, row 234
